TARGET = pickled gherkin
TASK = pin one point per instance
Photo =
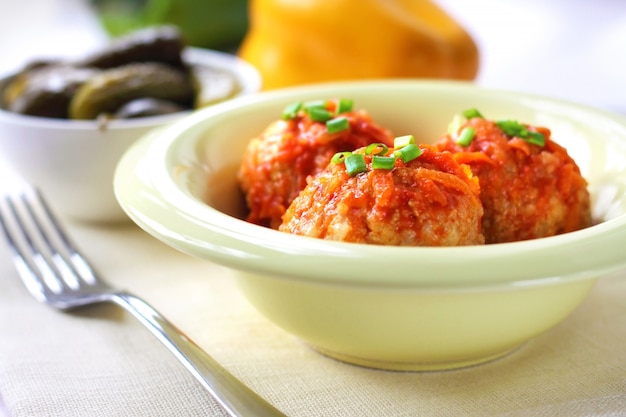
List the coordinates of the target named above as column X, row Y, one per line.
column 158, row 44
column 45, row 90
column 139, row 75
column 110, row 89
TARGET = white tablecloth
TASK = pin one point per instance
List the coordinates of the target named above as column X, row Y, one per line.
column 101, row 362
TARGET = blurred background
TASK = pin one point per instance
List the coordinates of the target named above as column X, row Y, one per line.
column 572, row 49
column 212, row 24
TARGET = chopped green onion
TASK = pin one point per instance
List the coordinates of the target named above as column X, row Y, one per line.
column 471, row 113
column 514, row 128
column 340, row 157
column 355, row 164
column 402, row 141
column 314, row 104
column 337, row 124
column 455, row 125
column 408, row 153
column 344, row 105
column 376, row 149
column 319, row 115
column 536, row 138
column 466, row 136
column 383, row 162
column 291, row 111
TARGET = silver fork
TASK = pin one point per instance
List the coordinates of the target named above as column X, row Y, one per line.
column 57, row 274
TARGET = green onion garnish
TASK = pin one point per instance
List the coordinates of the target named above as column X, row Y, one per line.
column 408, row 153
column 291, row 111
column 337, row 124
column 383, row 162
column 514, row 128
column 319, row 115
column 355, row 163
column 315, row 104
column 466, row 136
column 455, row 125
column 376, row 149
column 536, row 138
column 340, row 157
column 471, row 113
column 344, row 105
column 402, row 141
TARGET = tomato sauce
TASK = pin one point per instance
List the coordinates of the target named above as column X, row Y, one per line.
column 528, row 191
column 276, row 164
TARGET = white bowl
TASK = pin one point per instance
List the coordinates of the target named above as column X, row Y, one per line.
column 72, row 161
column 408, row 308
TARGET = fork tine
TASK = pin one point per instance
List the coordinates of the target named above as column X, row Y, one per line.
column 70, row 256
column 38, row 215
column 32, row 267
column 45, row 256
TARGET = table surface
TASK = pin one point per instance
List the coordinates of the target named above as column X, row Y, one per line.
column 101, row 362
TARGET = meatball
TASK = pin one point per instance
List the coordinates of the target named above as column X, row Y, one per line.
column 276, row 164
column 528, row 190
column 429, row 201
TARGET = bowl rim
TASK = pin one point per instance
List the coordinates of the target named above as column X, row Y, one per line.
column 247, row 75
column 205, row 232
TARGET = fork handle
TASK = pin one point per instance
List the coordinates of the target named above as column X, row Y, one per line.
column 235, row 397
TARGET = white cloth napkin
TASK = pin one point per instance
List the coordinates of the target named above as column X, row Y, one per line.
column 101, row 362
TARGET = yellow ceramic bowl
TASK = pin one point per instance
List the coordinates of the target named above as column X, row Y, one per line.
column 403, row 308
